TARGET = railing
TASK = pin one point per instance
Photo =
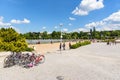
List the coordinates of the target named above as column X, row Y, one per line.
column 42, row 41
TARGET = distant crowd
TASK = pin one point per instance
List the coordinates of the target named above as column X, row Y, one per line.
column 111, row 42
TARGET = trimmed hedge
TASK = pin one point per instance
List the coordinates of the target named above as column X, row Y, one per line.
column 74, row 46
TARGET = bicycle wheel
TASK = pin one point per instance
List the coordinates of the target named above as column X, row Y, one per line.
column 6, row 62
column 42, row 59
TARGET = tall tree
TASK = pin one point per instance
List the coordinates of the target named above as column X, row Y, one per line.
column 94, row 32
column 91, row 34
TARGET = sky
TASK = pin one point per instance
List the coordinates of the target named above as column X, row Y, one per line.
column 48, row 15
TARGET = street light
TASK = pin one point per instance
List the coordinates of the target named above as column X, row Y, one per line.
column 61, row 36
column 39, row 35
column 89, row 36
column 61, row 32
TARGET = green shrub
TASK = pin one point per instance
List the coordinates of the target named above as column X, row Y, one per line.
column 10, row 40
column 109, row 40
column 29, row 49
column 74, row 46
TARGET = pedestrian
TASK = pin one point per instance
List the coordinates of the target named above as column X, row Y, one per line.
column 115, row 42
column 60, row 46
column 34, row 48
column 51, row 42
column 69, row 45
column 108, row 42
column 64, row 46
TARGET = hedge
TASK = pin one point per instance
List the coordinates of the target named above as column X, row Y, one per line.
column 74, row 46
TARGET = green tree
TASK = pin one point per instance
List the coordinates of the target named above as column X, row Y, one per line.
column 55, row 35
column 75, row 35
column 44, row 35
column 67, row 36
column 94, row 32
column 97, row 35
column 91, row 34
column 81, row 34
column 10, row 40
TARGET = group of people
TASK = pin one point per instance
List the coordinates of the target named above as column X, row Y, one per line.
column 113, row 42
column 64, row 46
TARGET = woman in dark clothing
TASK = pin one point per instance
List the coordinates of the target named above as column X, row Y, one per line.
column 60, row 46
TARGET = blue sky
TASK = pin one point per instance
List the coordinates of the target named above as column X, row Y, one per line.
column 46, row 15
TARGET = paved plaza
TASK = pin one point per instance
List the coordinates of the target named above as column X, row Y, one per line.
column 96, row 61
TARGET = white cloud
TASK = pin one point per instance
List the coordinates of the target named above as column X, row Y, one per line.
column 95, row 24
column 107, row 28
column 88, row 5
column 83, row 29
column 71, row 18
column 55, row 27
column 70, row 24
column 1, row 18
column 61, row 24
column 7, row 25
column 115, row 17
column 65, row 30
column 75, row 30
column 43, row 27
column 2, row 24
column 49, row 32
column 25, row 21
column 112, row 22
column 16, row 29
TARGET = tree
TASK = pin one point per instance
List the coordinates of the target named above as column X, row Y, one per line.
column 98, row 35
column 67, row 36
column 94, row 32
column 85, row 35
column 81, row 34
column 55, row 35
column 91, row 34
column 44, row 35
column 10, row 40
column 75, row 35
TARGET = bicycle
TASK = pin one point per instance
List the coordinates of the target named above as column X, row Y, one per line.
column 39, row 59
column 24, row 60
column 9, row 61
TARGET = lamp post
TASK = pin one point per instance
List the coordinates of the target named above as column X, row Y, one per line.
column 61, row 32
column 89, row 36
column 61, row 36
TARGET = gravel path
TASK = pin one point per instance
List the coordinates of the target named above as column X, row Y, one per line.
column 97, row 61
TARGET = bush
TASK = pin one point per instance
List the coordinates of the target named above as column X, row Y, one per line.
column 10, row 40
column 109, row 40
column 29, row 49
column 74, row 46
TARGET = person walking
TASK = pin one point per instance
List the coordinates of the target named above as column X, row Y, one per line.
column 69, row 45
column 64, row 46
column 60, row 46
